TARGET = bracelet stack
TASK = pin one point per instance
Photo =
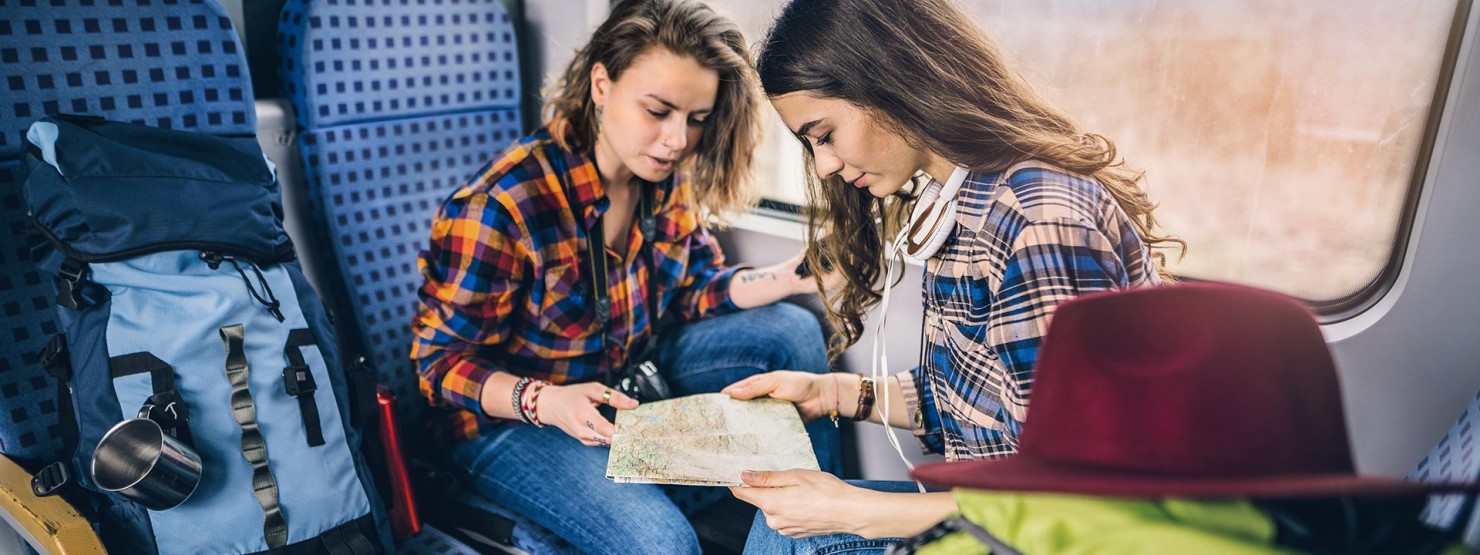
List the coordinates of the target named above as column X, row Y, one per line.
column 865, row 399
column 527, row 409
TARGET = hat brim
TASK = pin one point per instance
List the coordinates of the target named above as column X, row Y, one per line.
column 1028, row 475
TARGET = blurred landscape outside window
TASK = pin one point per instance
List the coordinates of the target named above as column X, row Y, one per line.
column 1280, row 138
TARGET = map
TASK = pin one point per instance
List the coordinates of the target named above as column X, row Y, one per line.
column 707, row 440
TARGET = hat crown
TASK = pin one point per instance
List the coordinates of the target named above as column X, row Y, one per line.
column 1197, row 381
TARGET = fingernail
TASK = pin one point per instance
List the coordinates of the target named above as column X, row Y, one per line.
column 747, row 475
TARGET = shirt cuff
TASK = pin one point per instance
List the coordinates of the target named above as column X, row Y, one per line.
column 463, row 386
column 927, row 438
column 721, row 302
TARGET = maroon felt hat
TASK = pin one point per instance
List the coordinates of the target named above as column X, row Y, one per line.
column 1200, row 390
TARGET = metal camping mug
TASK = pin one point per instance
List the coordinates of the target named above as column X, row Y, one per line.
column 139, row 461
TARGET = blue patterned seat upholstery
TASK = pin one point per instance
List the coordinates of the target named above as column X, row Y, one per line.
column 169, row 63
column 1455, row 459
column 398, row 102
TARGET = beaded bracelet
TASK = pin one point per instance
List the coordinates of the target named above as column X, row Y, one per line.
column 518, row 397
column 837, row 401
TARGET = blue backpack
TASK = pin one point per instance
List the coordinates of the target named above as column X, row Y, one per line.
column 181, row 302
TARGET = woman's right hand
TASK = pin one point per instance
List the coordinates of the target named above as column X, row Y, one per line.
column 815, row 395
column 572, row 408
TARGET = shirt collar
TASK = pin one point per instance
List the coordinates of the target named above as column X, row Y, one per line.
column 588, row 195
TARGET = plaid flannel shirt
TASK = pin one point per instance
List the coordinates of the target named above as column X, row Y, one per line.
column 505, row 286
column 1026, row 240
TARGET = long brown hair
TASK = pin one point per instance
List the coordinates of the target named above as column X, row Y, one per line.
column 926, row 72
column 719, row 171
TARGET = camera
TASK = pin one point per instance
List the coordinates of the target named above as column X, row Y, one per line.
column 641, row 381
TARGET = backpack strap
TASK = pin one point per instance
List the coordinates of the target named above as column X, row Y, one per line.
column 56, row 359
column 355, row 537
column 298, row 380
column 348, row 539
column 165, row 406
column 254, row 448
column 948, row 526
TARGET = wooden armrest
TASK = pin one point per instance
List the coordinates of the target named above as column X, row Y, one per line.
column 49, row 524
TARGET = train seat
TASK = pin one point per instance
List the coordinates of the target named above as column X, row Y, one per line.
column 396, row 104
column 1456, row 458
column 176, row 65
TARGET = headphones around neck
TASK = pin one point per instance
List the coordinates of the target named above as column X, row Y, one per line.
column 933, row 219
column 931, row 222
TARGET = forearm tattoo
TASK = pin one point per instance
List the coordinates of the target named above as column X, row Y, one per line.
column 756, row 275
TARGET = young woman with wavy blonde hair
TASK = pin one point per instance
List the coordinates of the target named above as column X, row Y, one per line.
column 659, row 108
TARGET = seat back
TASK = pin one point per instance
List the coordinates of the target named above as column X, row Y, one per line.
column 1455, row 459
column 397, row 103
column 176, row 65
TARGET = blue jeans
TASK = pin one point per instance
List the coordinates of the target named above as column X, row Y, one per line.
column 553, row 480
column 765, row 541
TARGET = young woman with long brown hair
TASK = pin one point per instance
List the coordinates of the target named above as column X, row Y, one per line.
column 1020, row 210
column 659, row 107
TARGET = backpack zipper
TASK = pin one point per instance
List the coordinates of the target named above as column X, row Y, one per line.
column 282, row 253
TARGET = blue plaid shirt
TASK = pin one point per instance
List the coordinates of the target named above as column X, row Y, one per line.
column 1026, row 240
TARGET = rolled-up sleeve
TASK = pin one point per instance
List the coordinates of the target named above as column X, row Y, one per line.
column 704, row 290
column 474, row 273
column 919, row 403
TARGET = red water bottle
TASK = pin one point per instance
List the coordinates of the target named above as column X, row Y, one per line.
column 404, row 520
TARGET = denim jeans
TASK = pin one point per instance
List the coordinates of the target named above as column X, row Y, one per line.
column 765, row 541
column 553, row 480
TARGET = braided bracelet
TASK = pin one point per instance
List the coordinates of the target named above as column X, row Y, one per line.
column 531, row 410
column 518, row 397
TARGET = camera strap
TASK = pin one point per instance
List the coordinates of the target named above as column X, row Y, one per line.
column 601, row 286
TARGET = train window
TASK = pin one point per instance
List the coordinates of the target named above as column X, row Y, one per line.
column 1283, row 140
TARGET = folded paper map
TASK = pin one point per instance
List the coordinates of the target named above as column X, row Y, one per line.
column 707, row 440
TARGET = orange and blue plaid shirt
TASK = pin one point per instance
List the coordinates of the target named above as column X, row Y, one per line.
column 505, row 286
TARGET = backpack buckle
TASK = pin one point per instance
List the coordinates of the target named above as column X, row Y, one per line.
column 298, row 380
column 50, row 479
column 165, row 403
column 170, row 412
column 69, row 283
column 604, row 310
column 54, row 358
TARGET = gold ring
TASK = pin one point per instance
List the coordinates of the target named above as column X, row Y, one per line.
column 606, row 396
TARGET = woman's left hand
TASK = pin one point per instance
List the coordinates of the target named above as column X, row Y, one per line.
column 803, row 503
column 804, row 284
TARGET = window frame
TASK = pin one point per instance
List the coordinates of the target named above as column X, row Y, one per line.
column 1363, row 298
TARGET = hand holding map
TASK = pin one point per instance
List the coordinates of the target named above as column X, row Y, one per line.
column 707, row 440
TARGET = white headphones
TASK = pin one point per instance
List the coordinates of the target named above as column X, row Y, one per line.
column 931, row 222
column 933, row 219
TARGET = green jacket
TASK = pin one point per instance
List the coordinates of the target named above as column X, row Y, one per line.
column 1036, row 523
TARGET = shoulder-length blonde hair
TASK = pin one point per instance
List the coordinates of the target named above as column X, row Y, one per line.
column 719, row 171
column 926, row 72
